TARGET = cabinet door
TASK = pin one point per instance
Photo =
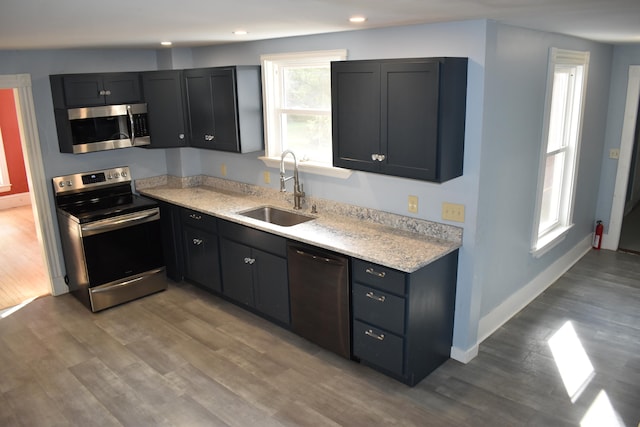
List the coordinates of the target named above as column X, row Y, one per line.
column 271, row 285
column 199, row 99
column 355, row 111
column 171, row 240
column 223, row 92
column 237, row 271
column 201, row 256
column 84, row 90
column 87, row 90
column 122, row 88
column 409, row 119
column 163, row 94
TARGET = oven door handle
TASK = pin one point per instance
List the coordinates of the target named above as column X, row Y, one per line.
column 121, row 221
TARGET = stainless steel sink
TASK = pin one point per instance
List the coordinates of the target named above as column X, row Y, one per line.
column 276, row 216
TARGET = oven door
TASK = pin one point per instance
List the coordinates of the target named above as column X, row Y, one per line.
column 122, row 246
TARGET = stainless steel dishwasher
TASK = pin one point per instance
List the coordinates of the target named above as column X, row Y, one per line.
column 319, row 292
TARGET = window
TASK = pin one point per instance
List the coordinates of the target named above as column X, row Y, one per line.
column 566, row 85
column 297, row 105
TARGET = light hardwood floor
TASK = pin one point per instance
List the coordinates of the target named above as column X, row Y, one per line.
column 22, row 272
column 185, row 358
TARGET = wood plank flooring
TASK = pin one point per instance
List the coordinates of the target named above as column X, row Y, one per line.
column 22, row 272
column 186, row 358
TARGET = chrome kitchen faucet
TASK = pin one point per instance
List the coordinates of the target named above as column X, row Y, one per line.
column 298, row 192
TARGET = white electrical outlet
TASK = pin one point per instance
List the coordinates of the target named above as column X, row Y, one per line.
column 223, row 169
column 267, row 177
column 413, row 204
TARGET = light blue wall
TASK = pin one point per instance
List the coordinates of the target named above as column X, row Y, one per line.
column 465, row 39
column 516, row 77
column 39, row 65
column 506, row 86
column 623, row 57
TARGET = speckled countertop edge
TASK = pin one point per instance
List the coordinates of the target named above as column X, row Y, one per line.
column 391, row 240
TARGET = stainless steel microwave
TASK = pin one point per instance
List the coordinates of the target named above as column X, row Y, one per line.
column 108, row 127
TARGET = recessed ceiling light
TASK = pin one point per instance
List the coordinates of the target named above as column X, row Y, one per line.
column 166, row 43
column 357, row 19
column 240, row 33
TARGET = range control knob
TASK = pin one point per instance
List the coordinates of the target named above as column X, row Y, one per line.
column 69, row 183
column 116, row 175
column 61, row 184
column 124, row 174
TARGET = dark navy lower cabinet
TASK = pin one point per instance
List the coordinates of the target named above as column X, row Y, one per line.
column 201, row 252
column 403, row 322
column 254, row 270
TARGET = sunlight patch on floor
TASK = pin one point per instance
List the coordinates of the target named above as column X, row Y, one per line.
column 572, row 361
column 577, row 372
column 9, row 311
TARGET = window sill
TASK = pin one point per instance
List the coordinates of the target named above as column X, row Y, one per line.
column 5, row 188
column 309, row 167
column 550, row 240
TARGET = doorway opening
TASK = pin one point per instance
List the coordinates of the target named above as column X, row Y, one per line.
column 39, row 204
column 625, row 176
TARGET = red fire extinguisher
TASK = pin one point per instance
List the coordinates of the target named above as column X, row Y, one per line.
column 597, row 236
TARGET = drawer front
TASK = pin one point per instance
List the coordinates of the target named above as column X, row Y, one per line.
column 199, row 220
column 380, row 277
column 378, row 308
column 255, row 238
column 378, row 347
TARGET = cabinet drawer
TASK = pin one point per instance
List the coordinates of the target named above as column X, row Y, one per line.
column 255, row 238
column 199, row 220
column 380, row 277
column 378, row 347
column 378, row 308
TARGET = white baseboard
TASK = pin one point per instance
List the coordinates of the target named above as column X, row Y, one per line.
column 520, row 299
column 15, row 200
column 464, row 356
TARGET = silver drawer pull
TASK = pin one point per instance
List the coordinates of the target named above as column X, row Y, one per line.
column 197, row 241
column 374, row 335
column 249, row 260
column 374, row 297
column 195, row 216
column 375, row 273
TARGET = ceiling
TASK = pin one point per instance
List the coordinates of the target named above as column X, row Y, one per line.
column 45, row 24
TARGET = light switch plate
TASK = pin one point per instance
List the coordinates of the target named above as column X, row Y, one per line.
column 614, row 153
column 453, row 212
column 223, row 169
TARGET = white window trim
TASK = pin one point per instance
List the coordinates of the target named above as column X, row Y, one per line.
column 270, row 158
column 5, row 183
column 541, row 244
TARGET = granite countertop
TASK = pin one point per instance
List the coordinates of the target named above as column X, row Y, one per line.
column 394, row 241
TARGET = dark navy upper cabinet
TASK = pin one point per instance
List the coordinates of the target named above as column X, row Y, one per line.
column 401, row 117
column 89, row 90
column 165, row 105
column 224, row 108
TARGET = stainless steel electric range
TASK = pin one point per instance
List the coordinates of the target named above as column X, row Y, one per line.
column 111, row 238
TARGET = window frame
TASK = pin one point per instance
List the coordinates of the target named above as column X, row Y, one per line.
column 272, row 94
column 578, row 63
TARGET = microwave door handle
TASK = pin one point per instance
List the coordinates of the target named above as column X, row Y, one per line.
column 133, row 129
